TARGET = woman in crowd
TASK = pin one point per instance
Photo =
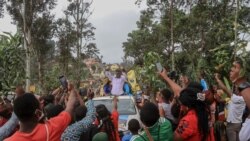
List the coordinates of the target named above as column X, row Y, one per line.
column 194, row 126
column 108, row 122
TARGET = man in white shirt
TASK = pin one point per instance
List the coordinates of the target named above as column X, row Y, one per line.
column 117, row 82
column 238, row 76
column 236, row 108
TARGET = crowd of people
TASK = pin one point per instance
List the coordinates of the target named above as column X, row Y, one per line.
column 187, row 111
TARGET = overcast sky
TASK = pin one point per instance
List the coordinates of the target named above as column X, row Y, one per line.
column 113, row 20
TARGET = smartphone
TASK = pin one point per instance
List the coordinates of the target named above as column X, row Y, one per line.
column 159, row 67
column 63, row 82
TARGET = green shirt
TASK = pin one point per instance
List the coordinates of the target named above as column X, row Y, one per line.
column 162, row 128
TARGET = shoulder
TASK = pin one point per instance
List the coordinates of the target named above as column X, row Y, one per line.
column 62, row 121
column 136, row 138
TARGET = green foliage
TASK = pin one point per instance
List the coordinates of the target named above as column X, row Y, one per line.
column 147, row 73
column 204, row 35
column 11, row 62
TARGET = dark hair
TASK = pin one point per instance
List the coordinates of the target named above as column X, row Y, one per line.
column 188, row 97
column 209, row 97
column 134, row 126
column 49, row 99
column 80, row 112
column 149, row 114
column 244, row 69
column 108, row 126
column 166, row 94
column 25, row 107
column 195, row 85
column 53, row 111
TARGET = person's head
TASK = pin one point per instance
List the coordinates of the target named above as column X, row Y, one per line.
column 19, row 90
column 27, row 108
column 80, row 112
column 157, row 96
column 193, row 99
column 209, row 97
column 102, row 111
column 166, row 95
column 53, row 110
column 101, row 136
column 134, row 126
column 214, row 88
column 195, row 85
column 184, row 80
column 238, row 70
column 152, row 110
column 118, row 73
column 49, row 99
column 103, row 115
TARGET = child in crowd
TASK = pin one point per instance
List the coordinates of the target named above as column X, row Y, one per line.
column 133, row 127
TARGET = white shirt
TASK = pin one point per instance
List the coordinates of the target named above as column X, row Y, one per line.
column 245, row 131
column 167, row 109
column 117, row 84
column 236, row 108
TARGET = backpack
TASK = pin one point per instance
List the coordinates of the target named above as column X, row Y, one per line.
column 89, row 134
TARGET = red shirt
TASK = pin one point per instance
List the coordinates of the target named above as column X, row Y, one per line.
column 188, row 128
column 55, row 125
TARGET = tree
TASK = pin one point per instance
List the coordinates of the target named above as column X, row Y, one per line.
column 204, row 34
column 24, row 13
column 79, row 12
column 67, row 39
column 11, row 62
column 2, row 2
column 43, row 46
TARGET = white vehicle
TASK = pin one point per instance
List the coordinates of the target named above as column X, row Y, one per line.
column 126, row 108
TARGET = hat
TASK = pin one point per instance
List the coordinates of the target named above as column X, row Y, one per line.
column 102, row 136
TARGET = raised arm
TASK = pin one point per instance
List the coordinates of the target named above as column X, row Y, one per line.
column 108, row 74
column 8, row 127
column 74, row 131
column 222, row 86
column 175, row 87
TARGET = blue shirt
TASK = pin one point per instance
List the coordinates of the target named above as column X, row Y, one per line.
column 127, row 137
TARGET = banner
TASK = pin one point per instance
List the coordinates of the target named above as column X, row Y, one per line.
column 132, row 81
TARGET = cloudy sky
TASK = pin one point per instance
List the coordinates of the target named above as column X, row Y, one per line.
column 113, row 20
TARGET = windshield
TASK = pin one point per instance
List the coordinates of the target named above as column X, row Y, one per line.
column 125, row 106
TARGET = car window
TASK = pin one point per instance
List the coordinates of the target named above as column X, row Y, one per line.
column 125, row 106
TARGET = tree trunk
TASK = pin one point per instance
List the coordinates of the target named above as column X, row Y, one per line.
column 172, row 34
column 236, row 29
column 78, row 45
column 27, row 71
column 27, row 46
column 39, row 75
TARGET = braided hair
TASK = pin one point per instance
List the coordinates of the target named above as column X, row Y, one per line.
column 107, row 124
column 188, row 97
